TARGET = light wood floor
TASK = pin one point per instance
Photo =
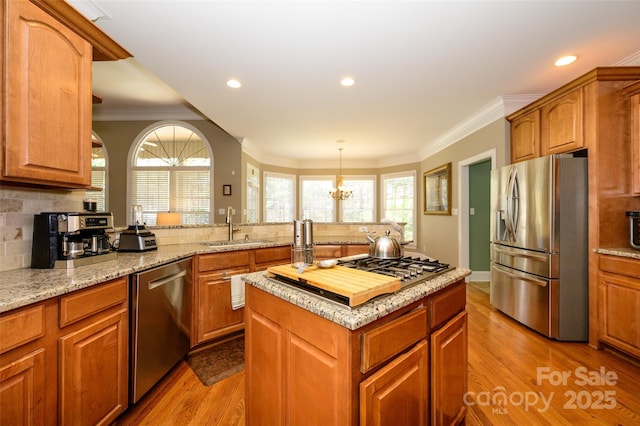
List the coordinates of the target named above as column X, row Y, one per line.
column 504, row 361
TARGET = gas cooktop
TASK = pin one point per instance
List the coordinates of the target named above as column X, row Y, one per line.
column 410, row 270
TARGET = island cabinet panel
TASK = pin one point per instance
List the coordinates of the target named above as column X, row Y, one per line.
column 48, row 116
column 384, row 396
column 22, row 390
column 449, row 381
column 525, row 137
column 304, row 369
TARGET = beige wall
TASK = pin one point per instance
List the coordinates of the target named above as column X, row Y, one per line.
column 438, row 235
column 118, row 137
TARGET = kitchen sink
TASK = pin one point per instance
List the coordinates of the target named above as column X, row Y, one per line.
column 222, row 243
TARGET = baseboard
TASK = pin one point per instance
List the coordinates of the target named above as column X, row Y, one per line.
column 480, row 276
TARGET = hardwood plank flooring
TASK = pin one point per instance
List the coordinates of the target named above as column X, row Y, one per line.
column 515, row 378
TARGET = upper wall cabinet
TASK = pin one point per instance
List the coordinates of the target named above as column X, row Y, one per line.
column 525, row 137
column 561, row 122
column 47, row 94
column 634, row 93
column 565, row 119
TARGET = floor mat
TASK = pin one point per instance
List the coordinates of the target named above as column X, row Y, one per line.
column 218, row 362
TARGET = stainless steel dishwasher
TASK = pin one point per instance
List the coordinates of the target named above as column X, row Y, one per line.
column 160, row 323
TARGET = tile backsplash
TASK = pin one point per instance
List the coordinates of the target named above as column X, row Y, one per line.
column 17, row 207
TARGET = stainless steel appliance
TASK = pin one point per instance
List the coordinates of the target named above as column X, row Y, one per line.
column 160, row 323
column 410, row 270
column 539, row 246
column 634, row 228
column 137, row 238
column 69, row 239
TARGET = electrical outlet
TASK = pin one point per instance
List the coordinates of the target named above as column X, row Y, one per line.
column 222, row 211
column 362, row 229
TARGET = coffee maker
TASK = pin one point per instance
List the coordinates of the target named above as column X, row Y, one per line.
column 67, row 240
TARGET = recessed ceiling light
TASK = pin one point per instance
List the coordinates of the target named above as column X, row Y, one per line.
column 233, row 83
column 565, row 60
column 347, row 82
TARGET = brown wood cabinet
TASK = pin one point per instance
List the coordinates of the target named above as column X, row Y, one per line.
column 619, row 303
column 214, row 314
column 271, row 256
column 561, row 124
column 525, row 137
column 23, row 390
column 383, row 396
column 333, row 251
column 65, row 360
column 633, row 91
column 377, row 374
column 46, row 131
column 93, row 354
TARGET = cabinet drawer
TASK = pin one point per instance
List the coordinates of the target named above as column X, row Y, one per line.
column 447, row 305
column 85, row 303
column 23, row 326
column 211, row 262
column 383, row 343
column 620, row 265
column 273, row 254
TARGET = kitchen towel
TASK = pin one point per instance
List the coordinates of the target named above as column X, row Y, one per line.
column 237, row 291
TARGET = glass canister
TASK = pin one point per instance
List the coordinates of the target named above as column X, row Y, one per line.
column 136, row 215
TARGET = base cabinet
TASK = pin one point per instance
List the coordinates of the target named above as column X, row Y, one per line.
column 22, row 390
column 619, row 303
column 65, row 361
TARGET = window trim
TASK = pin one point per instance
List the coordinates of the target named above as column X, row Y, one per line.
column 294, row 194
column 332, row 178
column 376, row 190
column 137, row 141
column 407, row 173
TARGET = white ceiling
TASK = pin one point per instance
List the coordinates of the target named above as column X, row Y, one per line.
column 427, row 72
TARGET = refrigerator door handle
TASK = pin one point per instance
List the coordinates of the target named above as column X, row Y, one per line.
column 523, row 277
column 530, row 256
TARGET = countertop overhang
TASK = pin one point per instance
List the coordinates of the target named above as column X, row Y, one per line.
column 354, row 318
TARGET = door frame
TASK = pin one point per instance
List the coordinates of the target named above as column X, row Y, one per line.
column 463, row 216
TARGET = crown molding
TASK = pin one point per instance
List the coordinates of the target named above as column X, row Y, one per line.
column 498, row 108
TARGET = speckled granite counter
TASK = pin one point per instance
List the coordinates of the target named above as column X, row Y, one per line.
column 21, row 287
column 622, row 252
column 356, row 317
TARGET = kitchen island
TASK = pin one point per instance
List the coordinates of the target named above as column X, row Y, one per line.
column 397, row 359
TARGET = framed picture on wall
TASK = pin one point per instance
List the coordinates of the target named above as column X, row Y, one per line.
column 437, row 190
column 226, row 189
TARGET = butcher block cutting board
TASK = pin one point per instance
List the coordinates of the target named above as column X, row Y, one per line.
column 357, row 286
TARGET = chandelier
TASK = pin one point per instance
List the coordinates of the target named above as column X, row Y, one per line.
column 340, row 192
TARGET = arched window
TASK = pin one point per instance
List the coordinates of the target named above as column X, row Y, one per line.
column 99, row 175
column 171, row 171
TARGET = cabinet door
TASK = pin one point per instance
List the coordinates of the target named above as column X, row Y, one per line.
column 561, row 123
column 635, row 142
column 353, row 249
column 398, row 393
column 271, row 256
column 620, row 312
column 216, row 318
column 48, row 121
column 449, row 371
column 525, row 137
column 93, row 369
column 264, row 370
column 22, row 390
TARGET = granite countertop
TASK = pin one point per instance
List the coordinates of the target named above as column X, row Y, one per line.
column 21, row 287
column 622, row 252
column 354, row 318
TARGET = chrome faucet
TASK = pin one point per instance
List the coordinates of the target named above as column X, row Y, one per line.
column 229, row 221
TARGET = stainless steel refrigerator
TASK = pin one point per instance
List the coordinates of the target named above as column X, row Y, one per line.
column 539, row 245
